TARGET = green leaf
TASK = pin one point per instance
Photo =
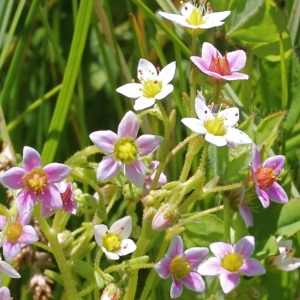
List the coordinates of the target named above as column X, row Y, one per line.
column 218, row 159
column 289, row 218
column 203, row 231
column 83, row 268
column 270, row 248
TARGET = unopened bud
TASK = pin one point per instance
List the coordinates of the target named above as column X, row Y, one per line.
column 149, row 213
column 65, row 239
column 111, row 292
column 164, row 217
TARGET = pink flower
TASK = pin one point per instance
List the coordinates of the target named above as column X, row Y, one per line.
column 221, row 67
column 114, row 242
column 4, row 293
column 17, row 234
column 264, row 177
column 124, row 150
column 36, row 182
column 231, row 261
column 181, row 266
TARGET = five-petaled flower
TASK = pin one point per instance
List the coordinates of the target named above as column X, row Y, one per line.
column 264, row 177
column 36, row 182
column 8, row 270
column 181, row 266
column 231, row 261
column 221, row 67
column 114, row 242
column 124, row 150
column 218, row 128
column 285, row 261
column 17, row 233
column 197, row 18
column 153, row 86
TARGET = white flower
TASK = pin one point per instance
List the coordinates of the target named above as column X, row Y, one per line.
column 285, row 261
column 153, row 86
column 197, row 18
column 114, row 242
column 217, row 128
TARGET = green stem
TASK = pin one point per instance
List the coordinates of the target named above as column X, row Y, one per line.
column 193, row 74
column 224, row 188
column 227, row 220
column 57, row 251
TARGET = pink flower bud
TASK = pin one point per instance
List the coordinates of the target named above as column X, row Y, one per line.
column 111, row 292
column 149, row 213
column 164, row 217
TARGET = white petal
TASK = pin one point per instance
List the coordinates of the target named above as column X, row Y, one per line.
column 230, row 116
column 131, row 90
column 236, row 136
column 143, row 103
column 166, row 90
column 187, row 9
column 210, row 25
column 123, row 227
column 127, row 246
column 195, row 125
column 202, row 111
column 146, row 70
column 110, row 255
column 167, row 73
column 217, row 16
column 100, row 231
column 216, row 140
column 172, row 17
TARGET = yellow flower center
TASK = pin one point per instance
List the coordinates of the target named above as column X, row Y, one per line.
column 195, row 18
column 220, row 65
column 216, row 126
column 36, row 181
column 111, row 242
column 179, row 267
column 151, row 88
column 14, row 231
column 125, row 150
column 232, row 262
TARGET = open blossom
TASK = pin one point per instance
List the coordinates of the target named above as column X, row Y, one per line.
column 197, row 18
column 124, row 150
column 285, row 261
column 36, row 182
column 8, row 270
column 153, row 86
column 218, row 128
column 231, row 261
column 18, row 233
column 221, row 67
column 181, row 266
column 264, row 177
column 114, row 242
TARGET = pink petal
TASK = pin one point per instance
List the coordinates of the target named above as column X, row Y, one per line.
column 176, row 288
column 275, row 162
column 51, row 198
column 211, row 267
column 46, row 211
column 163, row 267
column 136, row 173
column 104, row 140
column 209, row 52
column 100, row 232
column 10, row 250
column 12, row 178
column 129, row 125
column 2, row 221
column 256, row 162
column 201, row 63
column 220, row 249
column 4, row 293
column 29, row 236
column 245, row 246
column 276, row 193
column 108, row 168
column 123, row 227
column 176, row 247
column 193, row 281
column 263, row 196
column 8, row 270
column 57, row 172
column 237, row 60
column 235, row 76
column 229, row 281
column 31, row 159
column 195, row 256
column 246, row 215
column 252, row 267
column 148, row 143
column 25, row 219
column 25, row 201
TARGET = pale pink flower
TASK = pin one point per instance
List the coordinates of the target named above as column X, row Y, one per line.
column 124, row 150
column 221, row 67
column 37, row 183
column 182, row 267
column 153, row 86
column 8, row 270
column 231, row 261
column 265, row 177
column 114, row 242
column 5, row 293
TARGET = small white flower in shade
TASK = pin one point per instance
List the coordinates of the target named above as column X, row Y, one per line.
column 114, row 242
column 197, row 18
column 153, row 86
column 218, row 128
column 285, row 261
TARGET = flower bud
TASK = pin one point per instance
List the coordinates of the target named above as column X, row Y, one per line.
column 65, row 238
column 111, row 292
column 110, row 190
column 164, row 217
column 149, row 213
